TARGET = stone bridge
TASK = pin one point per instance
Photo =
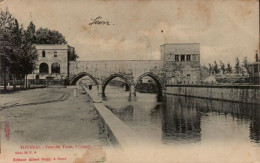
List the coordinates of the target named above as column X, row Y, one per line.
column 132, row 71
column 179, row 63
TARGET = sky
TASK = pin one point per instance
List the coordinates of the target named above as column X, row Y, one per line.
column 225, row 29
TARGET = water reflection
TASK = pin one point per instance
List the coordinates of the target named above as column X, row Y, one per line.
column 238, row 111
column 182, row 119
column 125, row 113
column 255, row 126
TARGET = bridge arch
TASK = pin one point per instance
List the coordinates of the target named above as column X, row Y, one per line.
column 74, row 80
column 111, row 77
column 157, row 80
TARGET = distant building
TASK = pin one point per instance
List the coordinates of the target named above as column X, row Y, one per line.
column 181, row 62
column 53, row 61
column 254, row 71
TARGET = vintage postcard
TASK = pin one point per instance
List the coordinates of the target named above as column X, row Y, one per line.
column 86, row 81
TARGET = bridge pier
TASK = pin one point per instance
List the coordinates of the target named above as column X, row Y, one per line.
column 132, row 90
column 100, row 93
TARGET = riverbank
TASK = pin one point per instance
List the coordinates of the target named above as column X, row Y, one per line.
column 48, row 116
column 235, row 93
column 117, row 132
column 18, row 88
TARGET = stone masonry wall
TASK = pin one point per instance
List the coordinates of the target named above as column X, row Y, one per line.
column 61, row 59
column 181, row 62
column 247, row 94
column 101, row 70
column 182, row 72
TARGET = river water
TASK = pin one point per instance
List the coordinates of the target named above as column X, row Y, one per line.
column 183, row 120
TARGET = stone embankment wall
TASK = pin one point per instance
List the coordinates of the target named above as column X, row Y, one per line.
column 236, row 93
column 117, row 131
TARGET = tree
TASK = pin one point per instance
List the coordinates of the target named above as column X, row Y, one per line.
column 72, row 55
column 31, row 33
column 222, row 67
column 256, row 56
column 29, row 54
column 210, row 68
column 246, row 65
column 237, row 67
column 8, row 47
column 47, row 36
column 229, row 69
column 15, row 59
column 215, row 68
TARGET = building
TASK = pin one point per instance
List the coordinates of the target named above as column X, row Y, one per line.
column 254, row 71
column 181, row 62
column 53, row 61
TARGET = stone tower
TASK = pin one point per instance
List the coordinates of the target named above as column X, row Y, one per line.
column 181, row 63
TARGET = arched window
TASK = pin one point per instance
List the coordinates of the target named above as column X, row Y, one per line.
column 55, row 68
column 43, row 53
column 44, row 69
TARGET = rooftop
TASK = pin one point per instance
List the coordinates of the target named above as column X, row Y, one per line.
column 182, row 48
column 51, row 46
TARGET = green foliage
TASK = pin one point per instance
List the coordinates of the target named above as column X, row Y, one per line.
column 7, row 23
column 16, row 42
column 31, row 33
column 18, row 56
column 72, row 54
column 29, row 53
column 237, row 67
column 210, row 69
column 246, row 65
column 47, row 36
column 229, row 69
column 9, row 44
column 216, row 68
column 222, row 67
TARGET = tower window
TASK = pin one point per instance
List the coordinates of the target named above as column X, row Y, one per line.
column 176, row 57
column 188, row 58
column 55, row 54
column 182, row 57
column 43, row 53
